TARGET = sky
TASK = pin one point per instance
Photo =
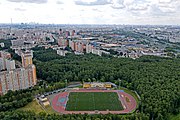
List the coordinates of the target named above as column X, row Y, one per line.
column 136, row 12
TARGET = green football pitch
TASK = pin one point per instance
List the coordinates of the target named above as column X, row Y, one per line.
column 90, row 101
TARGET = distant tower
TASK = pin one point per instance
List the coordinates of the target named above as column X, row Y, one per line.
column 26, row 58
column 60, row 31
column 10, row 27
column 11, row 21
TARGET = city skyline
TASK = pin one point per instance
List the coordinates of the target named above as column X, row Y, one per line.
column 136, row 12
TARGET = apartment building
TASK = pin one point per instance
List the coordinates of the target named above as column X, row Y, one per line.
column 13, row 78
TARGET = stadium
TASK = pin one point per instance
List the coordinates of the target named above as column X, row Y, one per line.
column 93, row 100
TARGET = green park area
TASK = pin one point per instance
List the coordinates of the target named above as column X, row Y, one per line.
column 32, row 106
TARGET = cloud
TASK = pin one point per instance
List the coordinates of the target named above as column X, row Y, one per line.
column 165, row 1
column 165, row 12
column 59, row 2
column 92, row 11
column 29, row 1
column 97, row 10
column 117, row 4
column 138, row 7
column 155, row 11
column 128, row 2
column 166, row 7
column 20, row 9
column 92, row 3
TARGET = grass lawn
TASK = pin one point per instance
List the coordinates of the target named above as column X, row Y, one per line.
column 50, row 110
column 33, row 106
column 90, row 101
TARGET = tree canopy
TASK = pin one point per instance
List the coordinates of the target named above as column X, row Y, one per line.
column 156, row 79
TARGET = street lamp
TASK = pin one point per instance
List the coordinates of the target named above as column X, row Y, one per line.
column 119, row 82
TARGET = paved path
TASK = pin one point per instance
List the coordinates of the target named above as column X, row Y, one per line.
column 60, row 100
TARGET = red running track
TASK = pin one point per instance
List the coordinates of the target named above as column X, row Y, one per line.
column 59, row 106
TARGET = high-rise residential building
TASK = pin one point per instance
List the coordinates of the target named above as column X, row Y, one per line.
column 5, row 55
column 26, row 58
column 75, row 46
column 60, row 31
column 5, row 61
column 62, row 52
column 20, row 78
column 80, row 47
column 73, row 32
column 2, row 64
column 67, row 34
column 89, row 48
column 71, row 44
column 10, row 64
column 19, row 42
column 97, row 52
column 62, row 42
